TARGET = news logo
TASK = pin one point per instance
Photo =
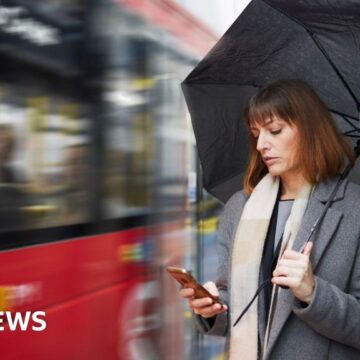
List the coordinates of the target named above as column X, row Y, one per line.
column 13, row 299
column 22, row 321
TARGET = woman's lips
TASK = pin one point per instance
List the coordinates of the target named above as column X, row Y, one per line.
column 269, row 160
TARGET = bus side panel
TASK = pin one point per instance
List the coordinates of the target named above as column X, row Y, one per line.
column 119, row 322
column 46, row 275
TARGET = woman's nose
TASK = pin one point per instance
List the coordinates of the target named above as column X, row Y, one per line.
column 262, row 142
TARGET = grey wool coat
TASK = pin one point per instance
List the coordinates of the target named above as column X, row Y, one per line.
column 329, row 327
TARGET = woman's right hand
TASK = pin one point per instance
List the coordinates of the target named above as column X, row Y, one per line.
column 204, row 306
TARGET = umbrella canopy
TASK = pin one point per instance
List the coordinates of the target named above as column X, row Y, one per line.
column 317, row 41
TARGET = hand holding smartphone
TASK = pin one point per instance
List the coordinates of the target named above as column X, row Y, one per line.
column 184, row 278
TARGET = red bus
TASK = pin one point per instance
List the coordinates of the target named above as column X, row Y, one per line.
column 98, row 178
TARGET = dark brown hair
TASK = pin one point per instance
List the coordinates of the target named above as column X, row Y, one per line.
column 323, row 151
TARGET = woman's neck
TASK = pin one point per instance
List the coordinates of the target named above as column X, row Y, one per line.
column 291, row 186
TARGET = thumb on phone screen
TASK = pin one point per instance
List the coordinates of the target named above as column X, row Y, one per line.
column 211, row 288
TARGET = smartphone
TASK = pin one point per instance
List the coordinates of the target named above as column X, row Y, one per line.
column 188, row 281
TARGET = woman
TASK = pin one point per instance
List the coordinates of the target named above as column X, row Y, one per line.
column 296, row 157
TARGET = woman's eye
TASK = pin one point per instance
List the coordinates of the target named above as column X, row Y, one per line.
column 275, row 132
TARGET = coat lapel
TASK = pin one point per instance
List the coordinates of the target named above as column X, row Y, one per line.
column 286, row 300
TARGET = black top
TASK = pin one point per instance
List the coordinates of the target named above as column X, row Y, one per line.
column 272, row 246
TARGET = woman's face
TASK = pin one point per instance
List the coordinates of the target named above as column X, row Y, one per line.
column 277, row 144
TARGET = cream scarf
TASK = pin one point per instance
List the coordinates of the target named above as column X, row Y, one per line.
column 246, row 258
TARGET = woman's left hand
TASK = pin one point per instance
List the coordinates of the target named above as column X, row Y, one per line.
column 294, row 270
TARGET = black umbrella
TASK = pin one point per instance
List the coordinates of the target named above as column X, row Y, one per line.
column 317, row 41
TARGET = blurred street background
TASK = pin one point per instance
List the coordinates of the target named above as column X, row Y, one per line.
column 100, row 184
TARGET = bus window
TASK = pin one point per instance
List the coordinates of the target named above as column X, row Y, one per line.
column 45, row 146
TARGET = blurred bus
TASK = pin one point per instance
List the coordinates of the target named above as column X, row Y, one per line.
column 99, row 179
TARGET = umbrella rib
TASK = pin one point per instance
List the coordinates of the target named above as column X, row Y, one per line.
column 346, row 117
column 322, row 50
column 335, row 69
column 351, row 134
column 356, row 39
column 350, row 123
column 352, row 131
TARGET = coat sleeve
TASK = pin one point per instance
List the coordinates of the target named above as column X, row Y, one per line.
column 334, row 313
column 228, row 222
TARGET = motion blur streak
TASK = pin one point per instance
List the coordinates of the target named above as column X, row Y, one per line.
column 99, row 179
